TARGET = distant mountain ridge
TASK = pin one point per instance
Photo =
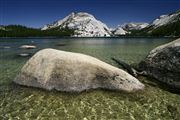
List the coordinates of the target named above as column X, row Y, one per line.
column 86, row 25
column 134, row 26
column 166, row 19
column 128, row 27
column 164, row 25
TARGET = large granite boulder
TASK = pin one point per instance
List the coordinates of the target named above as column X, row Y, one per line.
column 163, row 63
column 73, row 72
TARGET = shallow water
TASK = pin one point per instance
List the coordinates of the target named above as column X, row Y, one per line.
column 17, row 102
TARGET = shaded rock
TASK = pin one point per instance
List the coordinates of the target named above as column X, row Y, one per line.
column 163, row 63
column 61, row 44
column 28, row 47
column 73, row 72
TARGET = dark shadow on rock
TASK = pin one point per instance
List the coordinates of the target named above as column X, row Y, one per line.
column 156, row 83
column 10, row 87
column 137, row 70
column 53, row 91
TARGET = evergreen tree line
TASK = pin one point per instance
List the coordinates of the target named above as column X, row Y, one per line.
column 172, row 29
column 22, row 31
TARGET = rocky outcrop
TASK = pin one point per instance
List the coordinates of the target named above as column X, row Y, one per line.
column 83, row 24
column 164, row 20
column 163, row 63
column 164, row 25
column 119, row 31
column 134, row 26
column 73, row 72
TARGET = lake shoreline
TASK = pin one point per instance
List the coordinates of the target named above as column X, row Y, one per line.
column 54, row 37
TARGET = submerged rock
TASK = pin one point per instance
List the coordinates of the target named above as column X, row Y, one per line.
column 163, row 63
column 27, row 47
column 6, row 47
column 25, row 54
column 61, row 44
column 73, row 72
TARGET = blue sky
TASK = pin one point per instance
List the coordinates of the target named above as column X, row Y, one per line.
column 36, row 13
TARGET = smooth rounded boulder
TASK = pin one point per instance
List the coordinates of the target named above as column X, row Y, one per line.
column 163, row 63
column 73, row 72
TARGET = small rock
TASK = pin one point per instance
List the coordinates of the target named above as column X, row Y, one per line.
column 7, row 47
column 28, row 47
column 24, row 54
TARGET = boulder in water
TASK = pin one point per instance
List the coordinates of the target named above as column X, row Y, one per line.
column 73, row 72
column 163, row 63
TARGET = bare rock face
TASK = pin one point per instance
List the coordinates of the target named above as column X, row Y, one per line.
column 163, row 63
column 83, row 24
column 73, row 72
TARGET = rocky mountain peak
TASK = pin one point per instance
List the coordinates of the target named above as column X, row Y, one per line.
column 84, row 25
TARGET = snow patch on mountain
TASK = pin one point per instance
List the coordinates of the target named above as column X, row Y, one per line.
column 2, row 28
column 84, row 25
